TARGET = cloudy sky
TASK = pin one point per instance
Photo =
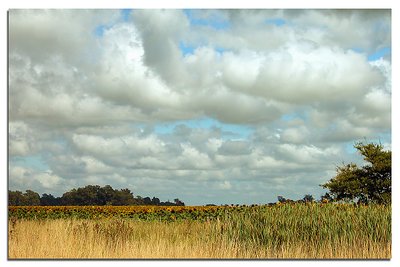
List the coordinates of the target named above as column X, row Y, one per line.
column 208, row 106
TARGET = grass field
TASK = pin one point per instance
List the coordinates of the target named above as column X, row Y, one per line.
column 280, row 231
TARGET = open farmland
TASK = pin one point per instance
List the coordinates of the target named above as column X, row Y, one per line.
column 279, row 231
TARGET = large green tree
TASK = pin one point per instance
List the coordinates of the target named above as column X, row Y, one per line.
column 371, row 182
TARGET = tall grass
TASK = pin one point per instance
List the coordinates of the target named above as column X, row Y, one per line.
column 324, row 230
column 288, row 231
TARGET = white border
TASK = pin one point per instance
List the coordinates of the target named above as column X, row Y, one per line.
column 8, row 4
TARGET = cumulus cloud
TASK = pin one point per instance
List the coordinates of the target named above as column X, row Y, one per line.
column 305, row 75
column 106, row 99
column 160, row 42
column 32, row 178
column 19, row 139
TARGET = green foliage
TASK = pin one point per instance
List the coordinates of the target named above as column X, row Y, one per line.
column 308, row 198
column 313, row 224
column 96, row 195
column 17, row 198
column 368, row 183
column 49, row 200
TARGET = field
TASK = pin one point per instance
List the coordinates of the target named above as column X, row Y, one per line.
column 292, row 231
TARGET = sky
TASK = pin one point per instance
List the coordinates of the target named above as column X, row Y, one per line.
column 205, row 105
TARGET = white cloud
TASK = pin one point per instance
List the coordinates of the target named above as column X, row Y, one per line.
column 93, row 165
column 160, row 41
column 19, row 134
column 27, row 178
column 308, row 154
column 259, row 160
column 240, row 71
column 214, row 144
column 234, row 148
column 118, row 146
column 308, row 74
column 226, row 185
column 67, row 33
column 296, row 135
column 192, row 158
column 48, row 180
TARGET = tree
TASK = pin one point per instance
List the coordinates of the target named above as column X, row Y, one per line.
column 29, row 198
column 49, row 200
column 82, row 196
column 155, row 201
column 281, row 199
column 91, row 195
column 107, row 195
column 368, row 183
column 15, row 198
column 32, row 198
column 326, row 198
column 308, row 198
column 147, row 201
column 178, row 202
column 123, row 197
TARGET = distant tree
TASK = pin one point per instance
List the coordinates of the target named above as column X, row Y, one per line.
column 178, row 202
column 155, row 201
column 29, row 198
column 308, row 198
column 15, row 198
column 106, row 195
column 326, row 198
column 288, row 200
column 32, row 198
column 49, row 200
column 78, row 197
column 91, row 195
column 167, row 203
column 88, row 195
column 124, row 197
column 368, row 183
column 147, row 201
column 281, row 199
column 70, row 198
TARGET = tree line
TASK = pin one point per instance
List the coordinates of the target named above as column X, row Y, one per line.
column 90, row 195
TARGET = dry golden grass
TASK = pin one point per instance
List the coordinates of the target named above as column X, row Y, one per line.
column 117, row 238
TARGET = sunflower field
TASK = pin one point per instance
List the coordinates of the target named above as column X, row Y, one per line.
column 147, row 213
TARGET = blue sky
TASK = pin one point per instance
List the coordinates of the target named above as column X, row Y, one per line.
column 213, row 20
column 276, row 21
column 383, row 52
column 32, row 161
column 229, row 131
column 210, row 106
